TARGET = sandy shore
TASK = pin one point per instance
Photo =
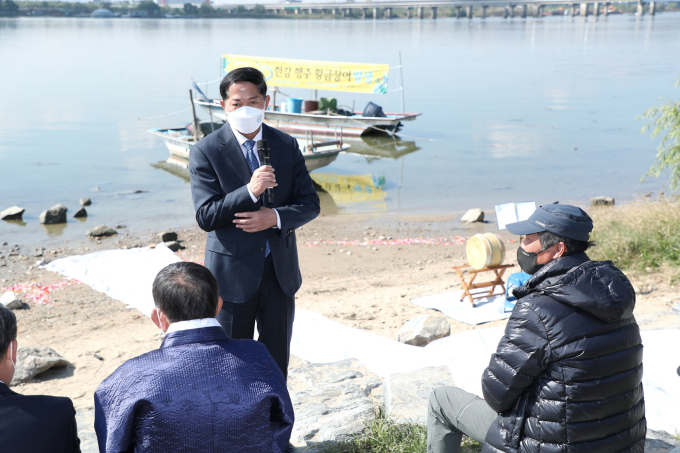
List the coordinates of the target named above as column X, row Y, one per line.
column 361, row 271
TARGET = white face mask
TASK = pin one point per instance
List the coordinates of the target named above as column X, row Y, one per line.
column 246, row 119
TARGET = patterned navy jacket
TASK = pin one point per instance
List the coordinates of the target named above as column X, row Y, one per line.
column 200, row 392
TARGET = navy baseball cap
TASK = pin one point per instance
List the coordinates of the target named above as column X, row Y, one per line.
column 561, row 219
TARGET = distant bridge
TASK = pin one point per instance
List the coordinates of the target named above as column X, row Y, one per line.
column 417, row 8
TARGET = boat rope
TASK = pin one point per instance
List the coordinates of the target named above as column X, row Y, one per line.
column 163, row 116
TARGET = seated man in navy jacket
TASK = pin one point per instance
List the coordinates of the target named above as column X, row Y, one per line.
column 201, row 391
column 30, row 423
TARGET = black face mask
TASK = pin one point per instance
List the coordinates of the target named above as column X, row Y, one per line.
column 527, row 261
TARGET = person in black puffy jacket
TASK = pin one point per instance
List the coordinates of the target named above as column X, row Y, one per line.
column 567, row 375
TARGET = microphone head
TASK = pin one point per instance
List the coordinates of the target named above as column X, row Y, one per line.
column 262, row 145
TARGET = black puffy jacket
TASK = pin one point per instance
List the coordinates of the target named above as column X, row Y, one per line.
column 567, row 374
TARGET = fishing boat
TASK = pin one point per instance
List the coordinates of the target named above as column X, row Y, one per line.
column 180, row 140
column 325, row 118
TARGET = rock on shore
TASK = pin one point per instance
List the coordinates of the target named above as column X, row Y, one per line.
column 332, row 401
column 424, row 329
column 101, row 231
column 56, row 214
column 472, row 216
column 80, row 213
column 33, row 361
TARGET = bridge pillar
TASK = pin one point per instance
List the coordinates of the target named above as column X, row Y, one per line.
column 457, row 12
column 469, row 12
column 538, row 11
column 420, row 12
column 584, row 9
column 605, row 12
column 506, row 12
column 484, row 7
column 652, row 8
column 596, row 9
column 333, row 11
column 375, row 13
column 309, row 11
column 640, row 8
column 363, row 13
column 434, row 12
column 512, row 11
column 574, row 8
column 388, row 13
column 297, row 10
column 524, row 11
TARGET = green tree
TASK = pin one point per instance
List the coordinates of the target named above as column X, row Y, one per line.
column 259, row 9
column 11, row 7
column 190, row 9
column 206, row 9
column 240, row 9
column 148, row 6
column 665, row 118
column 45, row 5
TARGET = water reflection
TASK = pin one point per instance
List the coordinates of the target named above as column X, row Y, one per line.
column 54, row 230
column 383, row 146
column 360, row 193
column 17, row 222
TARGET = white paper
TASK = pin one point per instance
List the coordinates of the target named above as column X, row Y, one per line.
column 505, row 213
column 513, row 212
column 525, row 209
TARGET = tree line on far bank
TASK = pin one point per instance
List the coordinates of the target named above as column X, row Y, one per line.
column 144, row 8
column 8, row 8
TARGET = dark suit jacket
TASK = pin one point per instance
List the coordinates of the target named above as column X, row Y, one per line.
column 200, row 392
column 219, row 174
column 37, row 423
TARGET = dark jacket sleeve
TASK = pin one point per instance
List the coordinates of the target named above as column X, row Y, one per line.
column 305, row 207
column 214, row 209
column 522, row 353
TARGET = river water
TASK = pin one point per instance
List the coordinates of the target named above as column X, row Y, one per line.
column 512, row 110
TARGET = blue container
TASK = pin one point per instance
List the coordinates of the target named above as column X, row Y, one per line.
column 514, row 281
column 294, row 105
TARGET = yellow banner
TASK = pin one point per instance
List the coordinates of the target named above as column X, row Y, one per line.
column 315, row 75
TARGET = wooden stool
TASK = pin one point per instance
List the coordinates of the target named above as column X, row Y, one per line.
column 470, row 285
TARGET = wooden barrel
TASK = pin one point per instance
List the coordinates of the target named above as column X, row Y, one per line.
column 485, row 250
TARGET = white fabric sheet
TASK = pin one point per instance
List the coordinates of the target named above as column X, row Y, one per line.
column 127, row 275
column 449, row 303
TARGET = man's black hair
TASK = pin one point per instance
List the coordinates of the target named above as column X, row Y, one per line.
column 251, row 75
column 573, row 246
column 185, row 291
column 8, row 329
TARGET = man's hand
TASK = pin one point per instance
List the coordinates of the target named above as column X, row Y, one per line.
column 263, row 178
column 252, row 222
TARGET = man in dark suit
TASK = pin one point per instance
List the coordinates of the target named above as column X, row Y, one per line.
column 251, row 247
column 201, row 391
column 34, row 423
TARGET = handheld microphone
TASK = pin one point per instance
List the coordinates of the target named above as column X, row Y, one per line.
column 263, row 152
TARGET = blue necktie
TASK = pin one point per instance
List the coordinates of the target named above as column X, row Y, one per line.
column 254, row 165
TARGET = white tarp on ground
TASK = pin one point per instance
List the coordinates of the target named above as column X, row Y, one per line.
column 127, row 275
column 450, row 304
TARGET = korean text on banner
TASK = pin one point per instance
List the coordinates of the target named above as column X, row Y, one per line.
column 315, row 75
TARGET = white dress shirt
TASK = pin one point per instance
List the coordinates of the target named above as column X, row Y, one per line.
column 193, row 324
column 241, row 141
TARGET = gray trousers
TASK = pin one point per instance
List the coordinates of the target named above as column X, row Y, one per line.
column 453, row 412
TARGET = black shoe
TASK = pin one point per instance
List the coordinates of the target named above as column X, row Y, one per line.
column 290, row 448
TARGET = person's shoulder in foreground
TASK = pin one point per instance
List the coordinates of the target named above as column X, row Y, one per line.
column 201, row 391
column 30, row 423
column 568, row 372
